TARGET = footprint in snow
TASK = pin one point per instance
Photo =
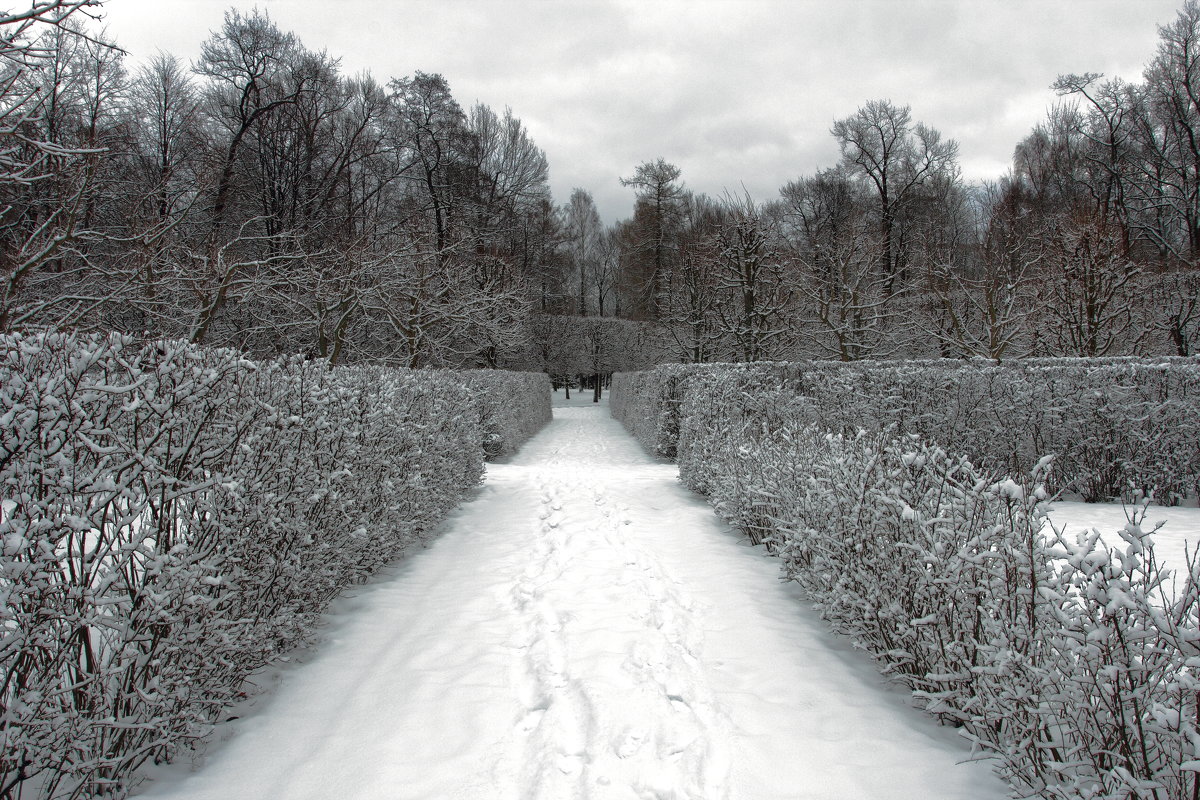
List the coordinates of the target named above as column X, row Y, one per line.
column 630, row 743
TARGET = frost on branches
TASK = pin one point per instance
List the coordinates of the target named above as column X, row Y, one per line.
column 1117, row 427
column 1069, row 660
column 174, row 517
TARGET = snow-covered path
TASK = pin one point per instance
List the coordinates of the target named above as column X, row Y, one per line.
column 584, row 628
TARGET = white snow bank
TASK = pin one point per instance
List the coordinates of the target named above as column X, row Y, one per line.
column 1180, row 530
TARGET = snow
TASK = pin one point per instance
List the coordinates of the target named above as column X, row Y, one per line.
column 583, row 628
column 1180, row 530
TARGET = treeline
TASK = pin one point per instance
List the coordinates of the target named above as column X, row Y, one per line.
column 261, row 199
column 1087, row 247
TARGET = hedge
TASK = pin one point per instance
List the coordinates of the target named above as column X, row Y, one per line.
column 1069, row 660
column 1119, row 427
column 173, row 517
column 515, row 406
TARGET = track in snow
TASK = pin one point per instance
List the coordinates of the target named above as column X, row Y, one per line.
column 584, row 628
column 612, row 690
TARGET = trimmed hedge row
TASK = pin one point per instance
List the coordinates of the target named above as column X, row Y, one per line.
column 1125, row 428
column 647, row 404
column 1069, row 661
column 515, row 406
column 172, row 518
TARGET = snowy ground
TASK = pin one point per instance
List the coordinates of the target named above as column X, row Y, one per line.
column 1180, row 530
column 584, row 628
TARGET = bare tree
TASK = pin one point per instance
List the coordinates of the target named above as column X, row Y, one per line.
column 47, row 170
column 986, row 310
column 850, row 312
column 755, row 296
column 430, row 130
column 165, row 103
column 1173, row 88
column 606, row 272
column 1172, row 303
column 854, row 314
column 1090, row 302
column 694, row 319
column 881, row 145
column 249, row 65
column 544, row 260
column 510, row 173
column 583, row 231
column 1107, row 131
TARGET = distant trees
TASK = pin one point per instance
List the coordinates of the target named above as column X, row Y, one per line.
column 584, row 235
column 51, row 77
column 834, row 246
column 986, row 310
column 1088, row 279
column 262, row 200
column 692, row 317
column 1177, row 298
column 1165, row 130
column 544, row 258
column 754, row 291
column 594, row 347
column 824, row 271
column 1109, row 190
column 1088, row 247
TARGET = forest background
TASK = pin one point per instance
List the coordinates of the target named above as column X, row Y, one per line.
column 261, row 199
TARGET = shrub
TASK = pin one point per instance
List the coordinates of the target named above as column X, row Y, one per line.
column 1069, row 660
column 647, row 404
column 515, row 405
column 173, row 517
column 1116, row 427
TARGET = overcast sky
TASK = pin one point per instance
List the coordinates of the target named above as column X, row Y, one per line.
column 735, row 92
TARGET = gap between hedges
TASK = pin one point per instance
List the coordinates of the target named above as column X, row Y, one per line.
column 1070, row 661
column 174, row 517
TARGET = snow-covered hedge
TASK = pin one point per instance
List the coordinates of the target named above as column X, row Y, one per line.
column 174, row 517
column 647, row 404
column 515, row 406
column 1072, row 662
column 1117, row 427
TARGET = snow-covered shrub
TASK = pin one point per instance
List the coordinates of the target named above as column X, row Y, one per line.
column 1116, row 427
column 172, row 517
column 1064, row 659
column 1103, row 701
column 647, row 402
column 515, row 406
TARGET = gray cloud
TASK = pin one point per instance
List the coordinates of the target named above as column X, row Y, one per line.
column 733, row 91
